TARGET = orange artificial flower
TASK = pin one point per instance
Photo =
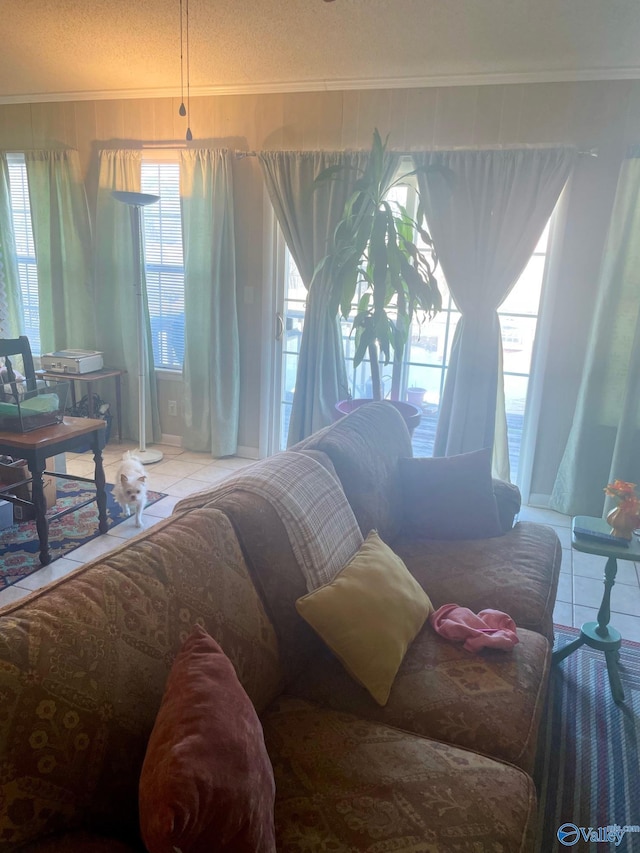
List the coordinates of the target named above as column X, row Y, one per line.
column 621, row 491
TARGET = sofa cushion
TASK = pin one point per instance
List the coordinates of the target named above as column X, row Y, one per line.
column 82, row 842
column 516, row 573
column 489, row 702
column 369, row 614
column 206, row 782
column 83, row 664
column 365, row 447
column 346, row 784
column 275, row 573
column 449, row 497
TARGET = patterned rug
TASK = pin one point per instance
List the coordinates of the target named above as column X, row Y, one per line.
column 19, row 546
column 588, row 767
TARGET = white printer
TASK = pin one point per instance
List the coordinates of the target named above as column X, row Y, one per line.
column 72, row 361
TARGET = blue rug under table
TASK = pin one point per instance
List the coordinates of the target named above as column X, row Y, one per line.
column 588, row 763
column 19, row 546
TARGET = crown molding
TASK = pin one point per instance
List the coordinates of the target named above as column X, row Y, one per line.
column 341, row 84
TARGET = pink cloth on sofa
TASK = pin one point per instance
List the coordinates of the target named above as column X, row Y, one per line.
column 487, row 629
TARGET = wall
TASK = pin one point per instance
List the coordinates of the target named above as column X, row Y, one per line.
column 600, row 114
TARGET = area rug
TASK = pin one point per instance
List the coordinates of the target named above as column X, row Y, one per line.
column 588, row 768
column 19, row 548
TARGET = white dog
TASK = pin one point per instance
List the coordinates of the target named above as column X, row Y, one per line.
column 130, row 489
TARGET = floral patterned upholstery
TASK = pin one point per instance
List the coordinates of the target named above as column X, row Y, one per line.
column 345, row 784
column 516, row 573
column 82, row 842
column 83, row 666
column 276, row 574
column 490, row 703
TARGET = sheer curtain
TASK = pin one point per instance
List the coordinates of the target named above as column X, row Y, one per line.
column 10, row 298
column 604, row 441
column 211, row 356
column 62, row 237
column 485, row 222
column 308, row 219
column 115, row 294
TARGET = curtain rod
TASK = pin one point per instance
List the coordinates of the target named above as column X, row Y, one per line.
column 586, row 152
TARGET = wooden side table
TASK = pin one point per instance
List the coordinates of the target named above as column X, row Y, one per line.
column 601, row 635
column 90, row 378
column 38, row 446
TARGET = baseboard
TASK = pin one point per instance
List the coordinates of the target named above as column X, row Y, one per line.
column 539, row 500
column 248, row 452
column 243, row 452
column 171, row 440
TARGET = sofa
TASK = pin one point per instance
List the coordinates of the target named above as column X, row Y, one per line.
column 444, row 765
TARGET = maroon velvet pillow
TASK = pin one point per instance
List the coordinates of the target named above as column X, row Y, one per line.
column 207, row 782
column 449, row 497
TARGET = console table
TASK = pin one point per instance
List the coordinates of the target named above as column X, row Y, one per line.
column 600, row 635
column 90, row 378
column 39, row 445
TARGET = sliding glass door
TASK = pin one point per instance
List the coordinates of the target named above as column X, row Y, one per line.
column 429, row 349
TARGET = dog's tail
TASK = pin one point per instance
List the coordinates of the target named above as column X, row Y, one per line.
column 129, row 454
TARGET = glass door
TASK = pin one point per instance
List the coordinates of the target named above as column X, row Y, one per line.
column 290, row 321
column 428, row 351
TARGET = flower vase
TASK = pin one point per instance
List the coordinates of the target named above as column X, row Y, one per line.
column 622, row 522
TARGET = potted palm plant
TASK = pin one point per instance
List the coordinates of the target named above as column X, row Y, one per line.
column 375, row 258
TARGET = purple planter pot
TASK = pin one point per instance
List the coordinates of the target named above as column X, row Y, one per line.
column 409, row 412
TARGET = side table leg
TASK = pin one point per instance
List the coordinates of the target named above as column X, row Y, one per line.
column 614, row 676
column 565, row 651
column 604, row 614
column 101, row 495
column 40, row 507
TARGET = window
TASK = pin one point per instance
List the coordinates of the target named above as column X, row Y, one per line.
column 429, row 348
column 295, row 296
column 25, row 249
column 164, row 264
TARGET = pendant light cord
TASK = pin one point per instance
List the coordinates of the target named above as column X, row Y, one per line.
column 181, row 62
column 189, row 135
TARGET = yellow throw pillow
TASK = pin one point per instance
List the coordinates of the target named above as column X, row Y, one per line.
column 369, row 615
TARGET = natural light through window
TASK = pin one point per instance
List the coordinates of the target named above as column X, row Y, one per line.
column 25, row 249
column 164, row 265
column 428, row 351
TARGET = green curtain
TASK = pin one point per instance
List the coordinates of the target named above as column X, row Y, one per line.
column 10, row 297
column 62, row 238
column 485, row 222
column 115, row 302
column 604, row 441
column 211, row 353
column 308, row 219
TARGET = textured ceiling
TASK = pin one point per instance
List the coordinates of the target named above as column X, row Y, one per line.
column 70, row 49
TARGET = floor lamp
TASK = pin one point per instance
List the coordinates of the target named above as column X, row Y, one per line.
column 136, row 201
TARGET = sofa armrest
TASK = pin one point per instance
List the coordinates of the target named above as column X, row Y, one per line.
column 509, row 500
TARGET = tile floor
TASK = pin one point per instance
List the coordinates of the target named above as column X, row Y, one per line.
column 182, row 472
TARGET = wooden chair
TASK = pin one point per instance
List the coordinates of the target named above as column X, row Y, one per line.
column 39, row 445
column 12, row 347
